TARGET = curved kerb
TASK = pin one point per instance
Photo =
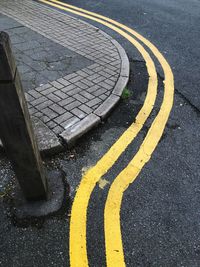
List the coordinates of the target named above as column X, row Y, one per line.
column 76, row 131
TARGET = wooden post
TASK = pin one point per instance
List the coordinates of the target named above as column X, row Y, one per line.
column 16, row 130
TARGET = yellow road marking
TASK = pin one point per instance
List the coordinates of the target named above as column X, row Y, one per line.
column 78, row 252
column 114, row 247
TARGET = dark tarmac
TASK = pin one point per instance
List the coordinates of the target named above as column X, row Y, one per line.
column 160, row 214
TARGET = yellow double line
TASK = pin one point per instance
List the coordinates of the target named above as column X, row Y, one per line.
column 113, row 240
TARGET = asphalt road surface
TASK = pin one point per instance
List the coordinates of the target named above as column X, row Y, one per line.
column 160, row 211
column 173, row 26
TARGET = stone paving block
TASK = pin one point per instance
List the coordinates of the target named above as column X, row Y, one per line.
column 50, row 113
column 93, row 65
column 53, row 97
column 103, row 97
column 99, row 68
column 88, row 71
column 104, row 60
column 109, row 71
column 29, row 105
column 32, row 110
column 63, row 81
column 43, row 87
column 74, row 91
column 66, row 101
column 81, row 85
column 38, row 114
column 68, row 88
column 58, row 129
column 43, row 104
column 29, row 98
column 86, row 109
column 34, row 94
column 63, row 118
column 45, row 119
column 38, row 101
column 60, row 94
column 80, row 98
column 94, row 76
column 75, row 79
column 79, row 113
column 114, row 78
column 109, row 82
column 93, row 88
column 51, row 124
column 47, row 91
column 106, row 86
column 100, row 92
column 87, row 95
column 58, row 109
column 57, row 85
column 93, row 102
column 72, row 105
column 82, row 73
column 113, row 68
column 105, row 74
column 95, row 106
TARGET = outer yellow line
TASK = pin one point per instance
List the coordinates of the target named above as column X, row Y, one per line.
column 78, row 251
column 113, row 239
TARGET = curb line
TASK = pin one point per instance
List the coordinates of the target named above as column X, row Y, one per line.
column 73, row 133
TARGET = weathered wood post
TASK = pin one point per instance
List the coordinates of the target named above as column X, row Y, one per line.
column 16, row 130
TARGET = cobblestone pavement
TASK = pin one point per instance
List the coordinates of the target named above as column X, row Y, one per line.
column 77, row 83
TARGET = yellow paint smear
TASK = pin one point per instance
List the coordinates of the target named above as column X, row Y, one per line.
column 102, row 183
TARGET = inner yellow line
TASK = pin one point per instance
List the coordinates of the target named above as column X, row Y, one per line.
column 78, row 250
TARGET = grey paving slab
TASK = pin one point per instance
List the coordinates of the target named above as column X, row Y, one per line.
column 40, row 59
column 73, row 73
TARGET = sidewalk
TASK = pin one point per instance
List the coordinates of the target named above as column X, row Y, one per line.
column 72, row 72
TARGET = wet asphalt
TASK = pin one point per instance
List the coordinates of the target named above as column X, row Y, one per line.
column 160, row 215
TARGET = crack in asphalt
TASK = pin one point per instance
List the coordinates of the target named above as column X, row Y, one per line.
column 196, row 109
column 177, row 91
